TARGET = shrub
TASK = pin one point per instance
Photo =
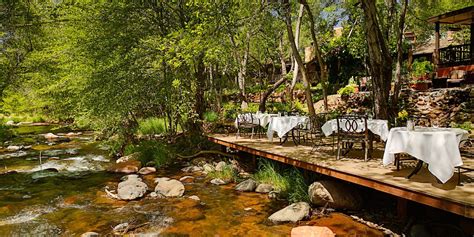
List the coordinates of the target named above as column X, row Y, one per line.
column 227, row 173
column 5, row 132
column 347, row 90
column 468, row 126
column 151, row 126
column 269, row 173
column 211, row 116
column 230, row 110
column 154, row 151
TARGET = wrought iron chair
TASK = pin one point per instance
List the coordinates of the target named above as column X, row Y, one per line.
column 467, row 151
column 248, row 121
column 315, row 132
column 352, row 129
column 418, row 120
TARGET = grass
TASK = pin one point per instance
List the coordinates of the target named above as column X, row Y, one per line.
column 228, row 173
column 151, row 126
column 290, row 182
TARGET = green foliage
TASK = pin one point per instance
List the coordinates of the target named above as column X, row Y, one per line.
column 230, row 110
column 228, row 173
column 347, row 90
column 252, row 108
column 151, row 151
column 290, row 182
column 211, row 116
column 468, row 126
column 151, row 126
column 402, row 115
column 5, row 132
column 421, row 68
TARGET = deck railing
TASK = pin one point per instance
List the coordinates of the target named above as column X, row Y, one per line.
column 455, row 55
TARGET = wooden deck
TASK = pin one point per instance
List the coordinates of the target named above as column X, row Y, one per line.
column 422, row 187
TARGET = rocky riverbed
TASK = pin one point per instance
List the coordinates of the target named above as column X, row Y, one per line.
column 73, row 191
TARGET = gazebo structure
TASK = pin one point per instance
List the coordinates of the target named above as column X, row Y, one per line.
column 454, row 58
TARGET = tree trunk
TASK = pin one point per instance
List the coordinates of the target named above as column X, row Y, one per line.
column 317, row 50
column 243, row 68
column 380, row 61
column 398, row 67
column 263, row 100
column 199, row 107
column 291, row 38
column 297, row 43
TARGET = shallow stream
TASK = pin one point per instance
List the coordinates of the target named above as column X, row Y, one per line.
column 64, row 196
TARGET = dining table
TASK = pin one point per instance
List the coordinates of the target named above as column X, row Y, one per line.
column 376, row 126
column 282, row 125
column 438, row 147
column 262, row 119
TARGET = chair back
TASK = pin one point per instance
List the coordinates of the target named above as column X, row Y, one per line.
column 352, row 125
column 246, row 118
column 317, row 121
column 420, row 120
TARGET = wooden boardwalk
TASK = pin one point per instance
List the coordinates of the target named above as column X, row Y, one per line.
column 422, row 187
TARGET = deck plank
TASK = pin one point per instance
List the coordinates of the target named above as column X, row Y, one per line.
column 422, row 188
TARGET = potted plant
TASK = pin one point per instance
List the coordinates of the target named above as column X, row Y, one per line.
column 421, row 74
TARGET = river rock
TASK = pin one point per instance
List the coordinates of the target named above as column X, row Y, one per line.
column 147, row 170
column 10, row 123
column 207, row 168
column 246, row 186
column 133, row 156
column 127, row 167
column 294, row 212
column 169, row 187
column 191, row 169
column 194, row 197
column 187, row 179
column 337, row 194
column 50, row 136
column 13, row 148
column 131, row 188
column 264, row 188
column 120, row 228
column 90, row 234
column 218, row 182
column 319, row 231
column 220, row 166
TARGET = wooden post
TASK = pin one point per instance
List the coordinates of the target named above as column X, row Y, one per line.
column 436, row 56
column 402, row 212
column 471, row 50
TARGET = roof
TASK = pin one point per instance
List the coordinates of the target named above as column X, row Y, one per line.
column 464, row 16
column 429, row 47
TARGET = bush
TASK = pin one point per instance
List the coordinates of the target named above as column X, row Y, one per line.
column 211, row 116
column 230, row 110
column 151, row 126
column 347, row 90
column 468, row 126
column 154, row 151
column 5, row 132
column 228, row 173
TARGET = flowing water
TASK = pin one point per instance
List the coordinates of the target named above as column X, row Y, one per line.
column 64, row 196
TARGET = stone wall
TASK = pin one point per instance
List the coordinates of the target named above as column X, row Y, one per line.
column 443, row 106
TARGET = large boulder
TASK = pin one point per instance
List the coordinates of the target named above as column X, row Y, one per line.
column 220, row 166
column 169, row 187
column 127, row 167
column 264, row 188
column 336, row 194
column 294, row 212
column 132, row 188
column 316, row 231
column 246, row 186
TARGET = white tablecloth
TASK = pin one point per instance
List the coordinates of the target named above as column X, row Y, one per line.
column 261, row 119
column 438, row 147
column 284, row 124
column 376, row 126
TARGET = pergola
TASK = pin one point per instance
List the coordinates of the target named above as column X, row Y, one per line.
column 458, row 53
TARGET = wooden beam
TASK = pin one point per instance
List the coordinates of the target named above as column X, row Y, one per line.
column 423, row 198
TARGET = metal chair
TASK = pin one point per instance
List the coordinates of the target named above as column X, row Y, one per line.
column 467, row 151
column 315, row 134
column 248, row 121
column 418, row 120
column 352, row 129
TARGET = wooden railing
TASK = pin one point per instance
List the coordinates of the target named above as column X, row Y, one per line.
column 455, row 55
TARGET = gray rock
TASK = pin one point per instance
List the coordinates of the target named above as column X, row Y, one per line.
column 218, row 182
column 246, row 186
column 50, row 136
column 220, row 166
column 191, row 169
column 169, row 187
column 120, row 228
column 132, row 188
column 147, row 170
column 13, row 148
column 90, row 234
column 10, row 123
column 264, row 188
column 153, row 194
column 294, row 212
column 336, row 194
column 187, row 179
column 133, row 156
